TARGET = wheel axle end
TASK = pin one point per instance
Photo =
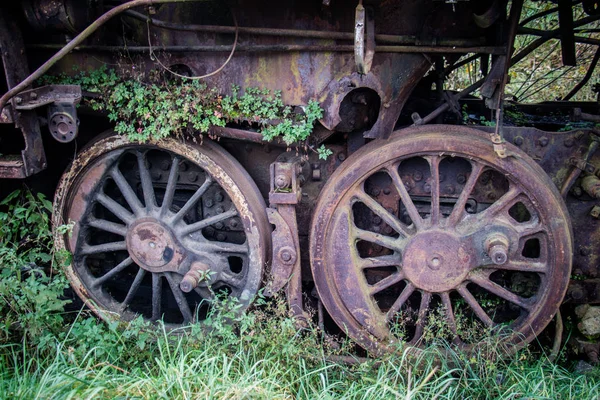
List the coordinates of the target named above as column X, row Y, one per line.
column 497, row 249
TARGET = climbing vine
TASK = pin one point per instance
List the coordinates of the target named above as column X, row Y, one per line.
column 150, row 106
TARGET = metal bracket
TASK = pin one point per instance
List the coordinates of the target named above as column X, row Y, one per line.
column 583, row 165
column 364, row 39
column 285, row 253
column 286, row 192
column 44, row 95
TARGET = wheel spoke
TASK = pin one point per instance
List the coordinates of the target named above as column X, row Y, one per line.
column 530, row 229
column 87, row 250
column 230, row 280
column 223, row 247
column 133, row 289
column 386, row 283
column 501, row 204
column 449, row 312
column 384, row 214
column 406, row 293
column 113, row 272
column 130, row 196
column 118, row 210
column 423, row 310
column 193, row 200
column 501, row 292
column 459, row 208
column 171, row 185
column 376, row 238
column 474, row 304
column 411, row 209
column 434, row 163
column 108, row 226
column 522, row 266
column 156, row 296
column 378, row 262
column 179, row 297
column 195, row 227
column 147, row 186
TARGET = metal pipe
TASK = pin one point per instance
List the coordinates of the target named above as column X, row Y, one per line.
column 77, row 40
column 297, row 33
column 244, row 135
column 279, row 48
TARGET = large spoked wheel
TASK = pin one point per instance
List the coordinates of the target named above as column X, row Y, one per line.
column 161, row 229
column 429, row 234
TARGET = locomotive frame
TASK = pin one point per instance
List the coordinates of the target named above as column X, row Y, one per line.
column 411, row 216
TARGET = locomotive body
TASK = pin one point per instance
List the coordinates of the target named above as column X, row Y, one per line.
column 392, row 214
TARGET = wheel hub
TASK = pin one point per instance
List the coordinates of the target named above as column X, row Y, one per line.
column 437, row 261
column 153, row 246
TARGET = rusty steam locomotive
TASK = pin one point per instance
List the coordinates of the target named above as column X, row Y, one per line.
column 413, row 218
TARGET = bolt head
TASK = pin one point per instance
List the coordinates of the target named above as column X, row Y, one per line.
column 286, row 256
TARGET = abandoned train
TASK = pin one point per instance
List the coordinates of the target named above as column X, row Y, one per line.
column 392, row 215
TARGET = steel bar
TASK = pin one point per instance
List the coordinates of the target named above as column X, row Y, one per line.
column 576, row 172
column 297, row 33
column 586, row 78
column 565, row 17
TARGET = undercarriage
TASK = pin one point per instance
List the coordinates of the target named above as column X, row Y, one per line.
column 410, row 204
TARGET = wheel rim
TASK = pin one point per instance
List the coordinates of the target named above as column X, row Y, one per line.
column 150, row 218
column 391, row 252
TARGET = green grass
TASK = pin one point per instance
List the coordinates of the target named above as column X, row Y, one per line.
column 269, row 359
column 48, row 353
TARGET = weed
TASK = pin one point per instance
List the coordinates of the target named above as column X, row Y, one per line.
column 259, row 355
column 145, row 107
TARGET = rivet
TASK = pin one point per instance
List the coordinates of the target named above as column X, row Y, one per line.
column 519, row 141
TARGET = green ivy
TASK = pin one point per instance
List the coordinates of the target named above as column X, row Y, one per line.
column 31, row 302
column 149, row 106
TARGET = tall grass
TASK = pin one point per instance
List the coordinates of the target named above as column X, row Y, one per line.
column 46, row 353
column 270, row 361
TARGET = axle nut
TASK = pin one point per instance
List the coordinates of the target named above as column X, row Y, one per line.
column 287, row 255
column 497, row 249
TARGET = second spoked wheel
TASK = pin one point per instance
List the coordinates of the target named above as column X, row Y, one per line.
column 430, row 234
column 161, row 230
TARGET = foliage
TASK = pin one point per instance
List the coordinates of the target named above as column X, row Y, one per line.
column 261, row 354
column 152, row 107
column 31, row 301
column 541, row 76
column 324, row 152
